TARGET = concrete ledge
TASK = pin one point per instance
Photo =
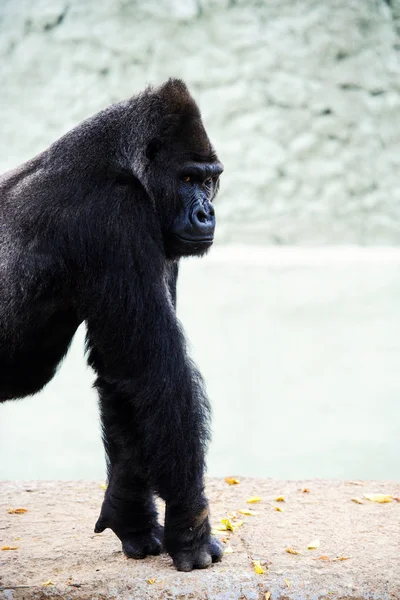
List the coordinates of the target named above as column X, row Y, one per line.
column 55, row 541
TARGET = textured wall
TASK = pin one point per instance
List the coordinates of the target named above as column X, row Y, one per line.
column 301, row 98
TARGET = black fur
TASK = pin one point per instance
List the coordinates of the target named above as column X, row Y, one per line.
column 92, row 230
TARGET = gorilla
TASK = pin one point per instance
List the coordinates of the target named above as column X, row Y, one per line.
column 92, row 231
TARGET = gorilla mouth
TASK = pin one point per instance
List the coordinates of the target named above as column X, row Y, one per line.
column 196, row 240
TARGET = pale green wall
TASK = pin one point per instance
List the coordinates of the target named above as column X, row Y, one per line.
column 300, row 97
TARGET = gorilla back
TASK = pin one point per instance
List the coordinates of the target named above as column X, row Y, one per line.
column 92, row 230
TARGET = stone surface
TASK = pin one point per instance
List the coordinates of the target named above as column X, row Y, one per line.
column 301, row 99
column 55, row 541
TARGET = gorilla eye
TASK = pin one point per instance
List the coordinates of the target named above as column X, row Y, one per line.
column 187, row 179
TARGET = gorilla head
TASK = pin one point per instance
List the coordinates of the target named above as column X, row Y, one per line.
column 179, row 169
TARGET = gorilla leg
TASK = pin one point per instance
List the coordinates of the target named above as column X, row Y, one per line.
column 155, row 417
column 148, row 451
column 128, row 508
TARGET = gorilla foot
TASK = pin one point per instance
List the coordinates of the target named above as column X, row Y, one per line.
column 136, row 526
column 140, row 545
column 198, row 557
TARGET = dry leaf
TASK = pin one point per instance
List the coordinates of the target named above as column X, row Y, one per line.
column 151, row 580
column 9, row 548
column 312, row 545
column 232, row 480
column 381, row 498
column 324, row 557
column 279, row 509
column 49, row 582
column 291, row 551
column 228, row 550
column 357, row 500
column 288, row 583
column 267, row 595
column 229, row 526
column 17, row 511
column 258, row 568
column 218, row 529
column 280, row 499
column 248, row 512
column 253, row 500
column 103, row 486
column 305, row 490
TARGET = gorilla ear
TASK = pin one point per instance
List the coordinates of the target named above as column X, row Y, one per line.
column 153, row 147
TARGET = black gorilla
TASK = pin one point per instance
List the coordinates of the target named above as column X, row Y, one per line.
column 92, row 230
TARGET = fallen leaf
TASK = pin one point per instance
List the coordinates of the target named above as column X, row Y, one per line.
column 381, row 498
column 103, row 486
column 280, row 499
column 229, row 526
column 9, row 548
column 253, row 500
column 232, row 480
column 248, row 512
column 312, row 545
column 291, row 551
column 279, row 509
column 258, row 568
column 324, row 557
column 288, row 583
column 218, row 529
column 151, row 581
column 16, row 539
column 305, row 490
column 267, row 595
column 357, row 500
column 17, row 511
column 48, row 582
column 228, row 550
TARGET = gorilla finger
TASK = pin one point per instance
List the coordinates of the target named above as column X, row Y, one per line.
column 183, row 561
column 141, row 547
column 131, row 550
column 216, row 549
column 203, row 560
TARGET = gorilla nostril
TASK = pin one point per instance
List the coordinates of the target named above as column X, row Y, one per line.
column 201, row 216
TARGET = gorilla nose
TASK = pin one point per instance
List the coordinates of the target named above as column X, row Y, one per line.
column 203, row 220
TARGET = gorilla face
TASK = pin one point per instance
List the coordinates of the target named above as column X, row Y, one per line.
column 183, row 180
column 192, row 231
